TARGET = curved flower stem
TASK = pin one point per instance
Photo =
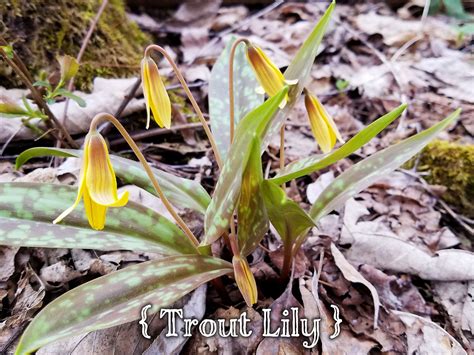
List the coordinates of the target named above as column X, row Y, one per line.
column 191, row 98
column 231, row 84
column 108, row 117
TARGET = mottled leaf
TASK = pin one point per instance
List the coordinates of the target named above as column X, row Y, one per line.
column 300, row 69
column 313, row 163
column 245, row 96
column 181, row 192
column 227, row 191
column 118, row 298
column 369, row 170
column 289, row 219
column 253, row 219
column 28, row 209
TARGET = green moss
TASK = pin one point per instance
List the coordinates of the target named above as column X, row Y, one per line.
column 40, row 30
column 451, row 165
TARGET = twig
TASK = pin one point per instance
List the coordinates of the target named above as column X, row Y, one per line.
column 106, row 126
column 440, row 201
column 7, row 142
column 85, row 42
column 157, row 132
column 412, row 41
column 38, row 98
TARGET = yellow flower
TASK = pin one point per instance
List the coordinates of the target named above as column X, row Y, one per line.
column 324, row 129
column 268, row 75
column 97, row 184
column 245, row 280
column 156, row 97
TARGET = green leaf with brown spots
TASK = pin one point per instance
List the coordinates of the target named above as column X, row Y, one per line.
column 28, row 209
column 246, row 97
column 300, row 70
column 118, row 298
column 289, row 219
column 369, row 170
column 313, row 163
column 253, row 219
column 227, row 192
column 181, row 192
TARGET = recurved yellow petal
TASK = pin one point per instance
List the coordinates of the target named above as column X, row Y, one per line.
column 82, row 184
column 245, row 280
column 156, row 96
column 101, row 183
column 268, row 75
column 322, row 125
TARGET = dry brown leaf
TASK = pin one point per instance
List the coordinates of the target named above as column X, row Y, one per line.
column 314, row 189
column 388, row 253
column 193, row 40
column 426, row 337
column 41, row 175
column 199, row 344
column 229, row 16
column 457, row 298
column 58, row 274
column 195, row 13
column 27, row 300
column 396, row 292
column 396, row 32
column 281, row 345
column 7, row 262
column 85, row 261
column 351, row 274
column 346, row 340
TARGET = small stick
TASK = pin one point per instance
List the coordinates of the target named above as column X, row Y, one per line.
column 38, row 98
column 85, row 42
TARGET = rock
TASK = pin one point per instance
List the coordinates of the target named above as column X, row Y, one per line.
column 41, row 30
column 451, row 165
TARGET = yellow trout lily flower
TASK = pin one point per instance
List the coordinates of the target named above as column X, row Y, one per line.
column 267, row 73
column 156, row 96
column 324, row 129
column 97, row 184
column 245, row 280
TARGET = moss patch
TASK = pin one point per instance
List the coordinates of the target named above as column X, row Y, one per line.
column 42, row 29
column 451, row 165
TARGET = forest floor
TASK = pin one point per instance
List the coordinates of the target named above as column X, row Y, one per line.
column 373, row 58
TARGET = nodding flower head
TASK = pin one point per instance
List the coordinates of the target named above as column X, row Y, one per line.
column 268, row 75
column 97, row 183
column 324, row 129
column 156, row 97
column 245, row 280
